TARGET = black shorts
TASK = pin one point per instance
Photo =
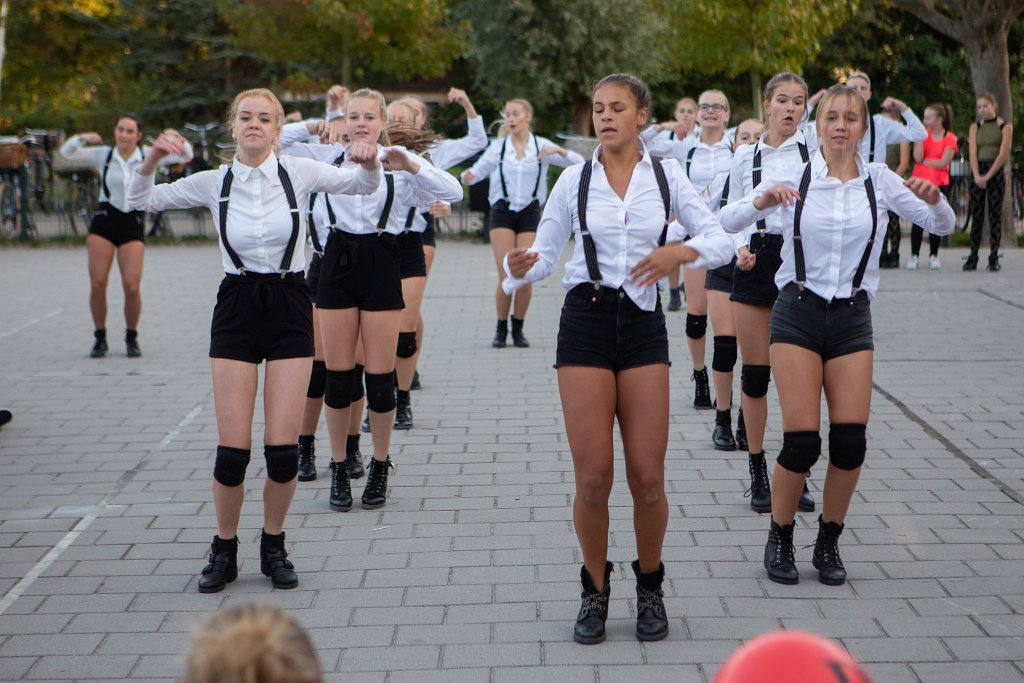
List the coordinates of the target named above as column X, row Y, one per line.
column 430, row 234
column 720, row 279
column 411, row 261
column 604, row 329
column 756, row 286
column 360, row 271
column 828, row 328
column 118, row 227
column 313, row 275
column 262, row 317
column 525, row 220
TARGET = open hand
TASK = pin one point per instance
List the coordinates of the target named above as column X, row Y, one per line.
column 777, row 195
column 660, row 262
column 397, row 159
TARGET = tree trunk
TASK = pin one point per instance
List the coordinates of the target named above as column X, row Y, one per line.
column 582, row 117
column 990, row 72
column 755, row 93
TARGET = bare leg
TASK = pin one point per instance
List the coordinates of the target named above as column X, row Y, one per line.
column 848, row 393
column 313, row 406
column 340, row 329
column 284, row 387
column 412, row 293
column 502, row 242
column 379, row 332
column 129, row 262
column 234, row 400
column 523, row 294
column 752, row 336
column 101, row 258
column 722, row 325
column 696, row 304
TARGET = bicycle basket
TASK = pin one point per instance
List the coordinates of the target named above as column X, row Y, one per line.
column 12, row 155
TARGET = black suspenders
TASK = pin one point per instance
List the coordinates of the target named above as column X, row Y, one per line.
column 589, row 250
column 689, row 160
column 382, row 222
column 755, row 176
column 330, row 212
column 871, row 152
column 798, row 249
column 725, row 194
column 501, row 170
column 106, row 167
column 293, row 207
column 409, row 218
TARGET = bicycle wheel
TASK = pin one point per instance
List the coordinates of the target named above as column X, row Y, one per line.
column 960, row 200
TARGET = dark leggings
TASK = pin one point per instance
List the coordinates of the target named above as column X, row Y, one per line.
column 993, row 193
column 893, row 236
column 917, row 232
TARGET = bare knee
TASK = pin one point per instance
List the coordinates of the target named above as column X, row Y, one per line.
column 594, row 489
column 131, row 288
column 98, row 284
column 647, row 488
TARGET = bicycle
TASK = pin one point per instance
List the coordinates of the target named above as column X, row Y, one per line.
column 41, row 144
column 14, row 178
column 960, row 187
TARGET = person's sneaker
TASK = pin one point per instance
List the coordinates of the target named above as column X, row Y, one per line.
column 912, row 263
column 933, row 263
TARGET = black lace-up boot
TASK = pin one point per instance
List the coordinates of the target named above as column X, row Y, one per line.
column 760, row 491
column 741, row 432
column 779, row 555
column 274, row 562
column 500, row 335
column 366, row 423
column 701, row 389
column 806, row 502
column 99, row 348
column 131, row 342
column 307, row 456
column 403, row 410
column 223, row 565
column 826, row 560
column 353, row 458
column 651, row 620
column 675, row 300
column 376, row 491
column 518, row 338
column 722, row 438
column 341, row 487
column 589, row 629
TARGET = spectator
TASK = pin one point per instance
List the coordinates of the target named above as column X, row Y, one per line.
column 988, row 147
column 933, row 156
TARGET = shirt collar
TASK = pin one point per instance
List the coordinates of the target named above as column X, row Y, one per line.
column 645, row 156
column 268, row 168
column 794, row 139
column 819, row 169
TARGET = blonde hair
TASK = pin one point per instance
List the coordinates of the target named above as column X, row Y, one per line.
column 503, row 125
column 251, row 643
column 861, row 75
column 853, row 95
column 376, row 96
column 266, row 94
column 401, row 104
column 715, row 92
column 414, row 139
column 422, row 102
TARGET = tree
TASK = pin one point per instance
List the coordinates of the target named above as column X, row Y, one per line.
column 983, row 28
column 756, row 36
column 552, row 52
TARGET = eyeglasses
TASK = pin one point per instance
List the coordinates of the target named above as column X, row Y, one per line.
column 712, row 107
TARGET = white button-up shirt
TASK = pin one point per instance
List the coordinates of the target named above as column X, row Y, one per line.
column 259, row 218
column 624, row 230
column 520, row 174
column 836, row 223
column 707, row 162
column 119, row 174
column 359, row 214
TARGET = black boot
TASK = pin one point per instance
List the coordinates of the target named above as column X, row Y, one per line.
column 518, row 338
column 415, row 386
column 741, row 433
column 307, row 456
column 806, row 502
column 274, row 562
column 403, row 410
column 500, row 335
column 760, row 490
column 131, row 342
column 353, row 458
column 223, row 565
column 722, row 437
column 972, row 262
column 675, row 301
column 993, row 263
column 376, row 491
column 589, row 629
column 779, row 556
column 99, row 348
column 341, row 487
column 701, row 389
column 366, row 423
column 826, row 560
column 651, row 620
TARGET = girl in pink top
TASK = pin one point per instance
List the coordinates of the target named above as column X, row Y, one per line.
column 933, row 155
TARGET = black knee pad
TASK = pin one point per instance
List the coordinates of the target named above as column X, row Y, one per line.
column 339, row 388
column 696, row 326
column 406, row 345
column 800, row 450
column 229, row 466
column 357, row 384
column 724, row 359
column 754, row 379
column 380, row 392
column 317, row 380
column 282, row 462
column 847, row 444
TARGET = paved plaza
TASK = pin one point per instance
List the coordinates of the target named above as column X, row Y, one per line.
column 470, row 573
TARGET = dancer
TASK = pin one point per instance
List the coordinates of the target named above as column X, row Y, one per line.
column 116, row 229
column 612, row 356
column 517, row 163
column 262, row 312
column 753, row 289
column 821, row 335
column 933, row 157
column 988, row 146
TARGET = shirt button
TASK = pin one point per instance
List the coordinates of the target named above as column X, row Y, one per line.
column 622, row 295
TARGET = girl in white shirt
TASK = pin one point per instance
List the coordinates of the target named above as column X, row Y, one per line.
column 821, row 335
column 612, row 357
column 517, row 167
column 262, row 313
column 116, row 229
column 758, row 258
